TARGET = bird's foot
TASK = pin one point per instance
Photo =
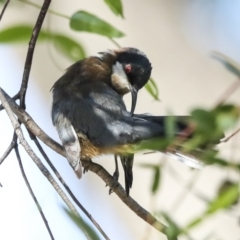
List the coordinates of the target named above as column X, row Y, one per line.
column 86, row 165
column 115, row 178
column 113, row 185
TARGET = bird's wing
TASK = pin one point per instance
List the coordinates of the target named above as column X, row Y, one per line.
column 69, row 141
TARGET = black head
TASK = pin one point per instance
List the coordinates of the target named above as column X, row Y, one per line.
column 136, row 67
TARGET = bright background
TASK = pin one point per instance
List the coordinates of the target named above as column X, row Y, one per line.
column 178, row 37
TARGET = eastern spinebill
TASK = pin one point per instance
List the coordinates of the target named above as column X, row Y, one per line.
column 89, row 113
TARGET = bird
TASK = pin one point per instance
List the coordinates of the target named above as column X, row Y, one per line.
column 91, row 117
column 88, row 109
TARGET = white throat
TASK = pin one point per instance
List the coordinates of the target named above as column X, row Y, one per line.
column 119, row 79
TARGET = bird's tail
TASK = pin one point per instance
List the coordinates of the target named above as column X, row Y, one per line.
column 159, row 142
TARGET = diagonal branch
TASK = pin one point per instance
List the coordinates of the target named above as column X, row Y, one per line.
column 32, row 43
column 31, row 153
column 99, row 170
column 228, row 92
column 4, row 8
column 68, row 189
column 232, row 135
column 31, row 191
column 27, row 120
column 42, row 168
column 120, row 192
column 9, row 149
column 15, row 97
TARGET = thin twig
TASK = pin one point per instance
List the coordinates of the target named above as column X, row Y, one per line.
column 4, row 8
column 49, row 10
column 232, row 135
column 184, row 192
column 32, row 43
column 32, row 126
column 115, row 42
column 31, row 192
column 67, row 188
column 9, row 149
column 16, row 97
column 228, row 92
column 31, row 153
column 99, row 170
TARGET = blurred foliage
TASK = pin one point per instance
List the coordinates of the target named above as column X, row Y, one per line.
column 173, row 230
column 152, row 89
column 229, row 63
column 156, row 176
column 83, row 226
column 224, row 186
column 65, row 45
column 87, row 22
column 115, row 6
column 225, row 199
column 207, row 125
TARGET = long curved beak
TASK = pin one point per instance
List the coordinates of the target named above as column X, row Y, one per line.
column 134, row 93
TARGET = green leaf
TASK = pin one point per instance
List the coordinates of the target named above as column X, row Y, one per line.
column 170, row 126
column 156, row 180
column 206, row 130
column 155, row 144
column 115, row 6
column 224, row 186
column 152, row 88
column 70, row 48
column 65, row 45
column 19, row 33
column 156, row 175
column 229, row 63
column 205, row 119
column 225, row 199
column 87, row 229
column 226, row 116
column 172, row 231
column 86, row 22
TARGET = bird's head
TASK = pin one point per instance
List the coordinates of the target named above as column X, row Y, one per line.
column 131, row 70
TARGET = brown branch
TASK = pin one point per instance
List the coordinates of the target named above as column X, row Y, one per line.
column 228, row 92
column 232, row 135
column 27, row 120
column 32, row 126
column 16, row 97
column 31, row 191
column 99, row 170
column 37, row 161
column 68, row 189
column 4, row 8
column 121, row 193
column 28, row 149
column 32, row 43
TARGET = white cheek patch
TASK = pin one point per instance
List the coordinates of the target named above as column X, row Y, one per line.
column 119, row 79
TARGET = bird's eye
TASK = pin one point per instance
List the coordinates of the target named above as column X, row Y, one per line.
column 128, row 68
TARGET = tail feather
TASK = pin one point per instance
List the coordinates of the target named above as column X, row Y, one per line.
column 127, row 163
column 189, row 160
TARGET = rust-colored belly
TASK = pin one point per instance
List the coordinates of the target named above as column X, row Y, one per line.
column 88, row 150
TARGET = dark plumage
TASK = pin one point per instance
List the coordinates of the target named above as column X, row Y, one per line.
column 91, row 118
column 88, row 111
